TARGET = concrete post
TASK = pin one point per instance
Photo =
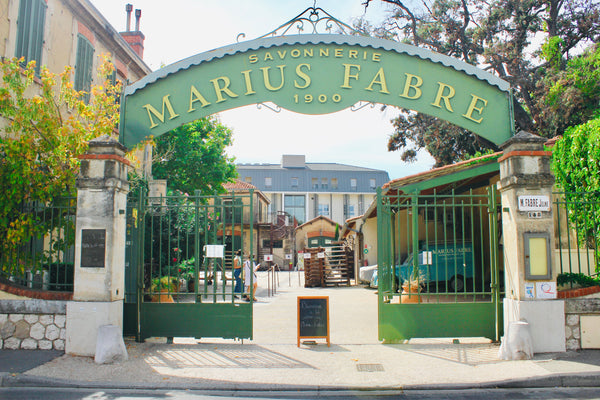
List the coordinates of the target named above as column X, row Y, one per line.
column 526, row 189
column 99, row 281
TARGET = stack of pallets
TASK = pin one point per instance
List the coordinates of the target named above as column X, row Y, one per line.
column 337, row 270
column 313, row 267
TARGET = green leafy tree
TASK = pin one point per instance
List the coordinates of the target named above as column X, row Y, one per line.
column 192, row 157
column 502, row 37
column 44, row 127
column 569, row 96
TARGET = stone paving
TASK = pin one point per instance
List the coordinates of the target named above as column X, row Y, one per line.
column 356, row 359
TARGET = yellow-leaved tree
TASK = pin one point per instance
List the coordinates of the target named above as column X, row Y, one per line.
column 44, row 126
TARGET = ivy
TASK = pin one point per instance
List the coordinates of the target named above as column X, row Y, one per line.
column 576, row 165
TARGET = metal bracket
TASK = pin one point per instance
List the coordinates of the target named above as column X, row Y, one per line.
column 276, row 109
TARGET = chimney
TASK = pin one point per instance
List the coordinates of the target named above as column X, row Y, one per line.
column 138, row 15
column 135, row 39
column 128, row 8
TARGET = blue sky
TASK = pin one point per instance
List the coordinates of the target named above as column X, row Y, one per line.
column 181, row 28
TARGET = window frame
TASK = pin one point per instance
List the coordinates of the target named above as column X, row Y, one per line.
column 31, row 23
column 84, row 66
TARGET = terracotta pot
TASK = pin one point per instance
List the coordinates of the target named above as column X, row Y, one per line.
column 163, row 298
column 410, row 295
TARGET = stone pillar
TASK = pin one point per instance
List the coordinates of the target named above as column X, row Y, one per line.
column 525, row 175
column 99, row 281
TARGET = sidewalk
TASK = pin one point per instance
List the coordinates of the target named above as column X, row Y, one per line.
column 355, row 360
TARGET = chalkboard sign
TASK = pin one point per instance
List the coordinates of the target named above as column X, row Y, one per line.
column 93, row 245
column 313, row 317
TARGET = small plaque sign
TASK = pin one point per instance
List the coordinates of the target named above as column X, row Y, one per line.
column 288, row 256
column 93, row 246
column 214, row 251
column 534, row 203
column 321, row 254
column 545, row 290
column 306, row 256
column 268, row 257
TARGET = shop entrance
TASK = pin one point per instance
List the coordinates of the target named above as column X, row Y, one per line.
column 319, row 74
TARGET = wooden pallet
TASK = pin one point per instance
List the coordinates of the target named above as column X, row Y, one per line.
column 336, row 270
column 313, row 267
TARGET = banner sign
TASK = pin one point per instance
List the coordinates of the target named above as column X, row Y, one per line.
column 317, row 74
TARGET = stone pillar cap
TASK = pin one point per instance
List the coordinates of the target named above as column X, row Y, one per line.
column 523, row 140
column 106, row 144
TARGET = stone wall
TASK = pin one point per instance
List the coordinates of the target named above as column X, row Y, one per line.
column 32, row 324
column 575, row 310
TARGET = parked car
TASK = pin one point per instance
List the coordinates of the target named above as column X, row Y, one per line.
column 366, row 273
column 450, row 262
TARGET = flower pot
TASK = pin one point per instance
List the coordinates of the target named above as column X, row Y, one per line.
column 191, row 285
column 163, row 297
column 410, row 294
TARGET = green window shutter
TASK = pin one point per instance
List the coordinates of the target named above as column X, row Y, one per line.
column 83, row 65
column 30, row 31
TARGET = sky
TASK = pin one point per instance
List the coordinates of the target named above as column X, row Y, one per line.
column 177, row 29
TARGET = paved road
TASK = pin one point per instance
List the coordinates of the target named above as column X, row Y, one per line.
column 128, row 394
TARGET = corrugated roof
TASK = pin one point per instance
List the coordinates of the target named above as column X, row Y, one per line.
column 441, row 177
column 309, row 166
column 441, row 171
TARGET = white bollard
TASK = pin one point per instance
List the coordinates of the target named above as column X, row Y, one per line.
column 517, row 344
column 110, row 346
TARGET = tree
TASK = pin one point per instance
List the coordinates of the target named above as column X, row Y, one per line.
column 569, row 96
column 497, row 36
column 44, row 129
column 192, row 157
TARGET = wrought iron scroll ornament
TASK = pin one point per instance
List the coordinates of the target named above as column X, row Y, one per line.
column 276, row 109
column 309, row 21
column 313, row 20
column 360, row 105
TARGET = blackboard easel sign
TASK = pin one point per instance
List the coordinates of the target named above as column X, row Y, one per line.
column 313, row 318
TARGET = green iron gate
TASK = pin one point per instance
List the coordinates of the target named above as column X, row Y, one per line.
column 176, row 286
column 451, row 287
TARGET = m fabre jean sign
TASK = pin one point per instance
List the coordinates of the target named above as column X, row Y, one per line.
column 317, row 74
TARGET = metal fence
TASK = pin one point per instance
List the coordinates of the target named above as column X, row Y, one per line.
column 439, row 265
column 453, row 238
column 167, row 239
column 44, row 261
column 179, row 271
column 577, row 231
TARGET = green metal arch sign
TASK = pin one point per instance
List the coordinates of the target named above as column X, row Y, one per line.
column 317, row 74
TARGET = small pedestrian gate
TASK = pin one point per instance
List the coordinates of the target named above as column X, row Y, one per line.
column 177, row 282
column 451, row 286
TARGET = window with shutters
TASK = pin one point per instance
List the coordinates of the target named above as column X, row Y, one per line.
column 84, row 65
column 30, row 31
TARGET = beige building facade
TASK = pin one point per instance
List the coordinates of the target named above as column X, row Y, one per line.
column 57, row 33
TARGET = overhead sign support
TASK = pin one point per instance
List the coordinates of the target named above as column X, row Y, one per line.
column 317, row 74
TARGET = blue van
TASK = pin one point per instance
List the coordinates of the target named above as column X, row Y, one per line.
column 449, row 262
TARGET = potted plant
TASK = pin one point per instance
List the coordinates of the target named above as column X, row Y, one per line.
column 161, row 285
column 187, row 271
column 412, row 286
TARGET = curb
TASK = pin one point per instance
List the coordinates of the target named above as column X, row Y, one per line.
column 555, row 380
